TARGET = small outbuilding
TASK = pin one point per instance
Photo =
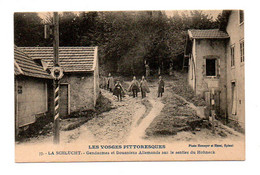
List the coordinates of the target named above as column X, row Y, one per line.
column 32, row 89
column 79, row 87
column 206, row 50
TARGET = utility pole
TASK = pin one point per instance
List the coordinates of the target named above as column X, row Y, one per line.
column 56, row 38
column 56, row 83
column 56, row 73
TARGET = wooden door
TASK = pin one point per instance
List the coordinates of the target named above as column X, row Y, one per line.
column 64, row 100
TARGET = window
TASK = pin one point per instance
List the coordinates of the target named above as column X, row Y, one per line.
column 232, row 54
column 241, row 16
column 234, row 98
column 242, row 57
column 211, row 67
column 20, row 89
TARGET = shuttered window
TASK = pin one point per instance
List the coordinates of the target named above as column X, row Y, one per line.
column 242, row 57
column 241, row 16
column 232, row 55
column 234, row 98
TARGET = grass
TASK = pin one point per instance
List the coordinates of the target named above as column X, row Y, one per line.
column 182, row 88
column 175, row 116
column 42, row 126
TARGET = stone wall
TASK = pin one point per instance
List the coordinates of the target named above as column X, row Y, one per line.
column 211, row 48
column 81, row 90
column 31, row 99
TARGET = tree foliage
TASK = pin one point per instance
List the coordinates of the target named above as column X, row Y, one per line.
column 125, row 39
column 28, row 29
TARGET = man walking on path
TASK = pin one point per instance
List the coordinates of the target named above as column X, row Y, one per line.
column 160, row 87
column 144, row 87
column 118, row 91
column 110, row 83
column 134, row 87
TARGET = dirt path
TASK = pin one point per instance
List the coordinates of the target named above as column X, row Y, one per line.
column 114, row 126
column 138, row 129
column 128, row 120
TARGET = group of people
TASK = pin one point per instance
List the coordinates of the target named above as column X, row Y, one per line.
column 113, row 86
column 134, row 87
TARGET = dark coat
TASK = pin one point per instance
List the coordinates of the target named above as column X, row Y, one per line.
column 144, row 86
column 118, row 90
column 160, row 86
column 111, row 83
column 134, row 85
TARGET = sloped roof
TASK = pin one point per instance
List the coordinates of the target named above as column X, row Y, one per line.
column 24, row 65
column 71, row 59
column 207, row 34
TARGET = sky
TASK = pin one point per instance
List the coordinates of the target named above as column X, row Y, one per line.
column 213, row 13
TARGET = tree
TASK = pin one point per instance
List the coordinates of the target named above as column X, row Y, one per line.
column 28, row 30
column 125, row 39
column 68, row 29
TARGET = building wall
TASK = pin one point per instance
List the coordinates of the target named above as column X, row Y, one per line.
column 81, row 90
column 235, row 73
column 192, row 67
column 210, row 48
column 31, row 99
column 96, row 77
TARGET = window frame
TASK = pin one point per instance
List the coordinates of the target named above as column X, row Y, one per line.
column 242, row 51
column 216, row 67
column 232, row 55
column 234, row 97
column 239, row 17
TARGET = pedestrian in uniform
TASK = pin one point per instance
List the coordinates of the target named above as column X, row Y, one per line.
column 118, row 91
column 134, row 87
column 144, row 87
column 104, row 82
column 110, row 83
column 160, row 87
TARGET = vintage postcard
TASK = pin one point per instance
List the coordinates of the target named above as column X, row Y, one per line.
column 129, row 86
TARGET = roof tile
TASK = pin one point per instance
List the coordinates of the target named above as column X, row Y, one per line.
column 24, row 65
column 71, row 59
column 207, row 34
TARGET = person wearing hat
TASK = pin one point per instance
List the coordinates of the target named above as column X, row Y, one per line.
column 118, row 91
column 134, row 87
column 160, row 87
column 144, row 87
column 110, row 83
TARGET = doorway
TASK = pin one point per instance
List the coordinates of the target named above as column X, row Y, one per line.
column 64, row 100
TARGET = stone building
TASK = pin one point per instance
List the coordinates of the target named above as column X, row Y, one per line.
column 235, row 65
column 216, row 65
column 79, row 87
column 32, row 89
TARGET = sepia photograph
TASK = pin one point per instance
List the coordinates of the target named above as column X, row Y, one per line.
column 152, row 85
